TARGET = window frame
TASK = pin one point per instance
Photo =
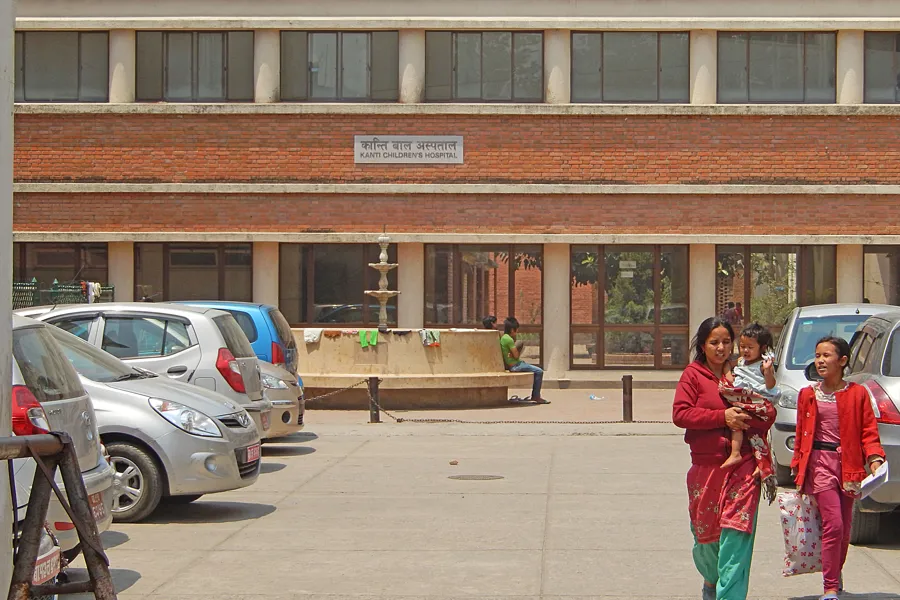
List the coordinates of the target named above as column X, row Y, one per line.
column 195, row 72
column 656, row 328
column 144, row 317
column 454, row 68
column 19, row 74
column 602, row 69
column 221, row 251
column 79, row 249
column 748, row 35
column 896, row 36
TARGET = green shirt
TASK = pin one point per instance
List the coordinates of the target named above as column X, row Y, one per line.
column 507, row 343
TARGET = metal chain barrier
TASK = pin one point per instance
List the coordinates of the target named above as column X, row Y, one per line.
column 373, row 402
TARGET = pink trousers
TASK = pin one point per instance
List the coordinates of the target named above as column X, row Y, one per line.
column 837, row 514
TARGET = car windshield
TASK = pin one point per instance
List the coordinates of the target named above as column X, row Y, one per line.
column 235, row 339
column 44, row 368
column 93, row 363
column 246, row 324
column 809, row 330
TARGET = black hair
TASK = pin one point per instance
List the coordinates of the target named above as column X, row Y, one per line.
column 729, row 305
column 489, row 322
column 706, row 328
column 840, row 344
column 757, row 332
column 509, row 324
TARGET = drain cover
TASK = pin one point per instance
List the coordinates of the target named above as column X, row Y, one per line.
column 475, row 477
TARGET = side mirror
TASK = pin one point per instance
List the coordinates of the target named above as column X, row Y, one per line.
column 811, row 373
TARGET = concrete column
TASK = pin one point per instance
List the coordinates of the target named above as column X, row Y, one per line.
column 849, row 269
column 411, row 283
column 121, row 65
column 704, row 66
column 557, row 309
column 121, row 270
column 703, row 284
column 558, row 67
column 265, row 272
column 267, row 65
column 412, row 65
column 851, row 55
column 7, row 62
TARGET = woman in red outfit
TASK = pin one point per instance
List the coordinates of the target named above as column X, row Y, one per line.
column 837, row 437
column 722, row 502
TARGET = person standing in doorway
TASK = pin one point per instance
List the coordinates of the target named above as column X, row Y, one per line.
column 722, row 503
column 512, row 349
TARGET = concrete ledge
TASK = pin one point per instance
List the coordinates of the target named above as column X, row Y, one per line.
column 647, row 23
column 417, row 381
column 537, row 109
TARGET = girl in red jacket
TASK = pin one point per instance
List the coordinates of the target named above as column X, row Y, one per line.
column 837, row 437
column 723, row 503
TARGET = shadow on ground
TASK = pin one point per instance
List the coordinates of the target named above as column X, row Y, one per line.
column 209, row 511
column 271, row 467
column 851, row 596
column 295, row 438
column 111, row 539
column 268, row 450
column 122, row 580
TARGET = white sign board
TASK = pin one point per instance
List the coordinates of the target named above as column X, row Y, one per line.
column 628, row 264
column 408, row 149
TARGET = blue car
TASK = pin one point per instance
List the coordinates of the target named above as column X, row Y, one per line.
column 266, row 328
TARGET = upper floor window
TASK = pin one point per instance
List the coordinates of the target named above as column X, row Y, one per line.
column 788, row 66
column 194, row 66
column 882, row 78
column 350, row 66
column 62, row 66
column 490, row 66
column 630, row 67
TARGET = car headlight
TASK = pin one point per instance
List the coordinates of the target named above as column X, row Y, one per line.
column 270, row 382
column 184, row 418
column 788, row 397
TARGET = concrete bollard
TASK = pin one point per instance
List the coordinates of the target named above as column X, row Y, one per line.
column 628, row 398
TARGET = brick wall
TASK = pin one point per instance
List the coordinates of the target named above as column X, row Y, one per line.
column 319, row 148
column 625, row 214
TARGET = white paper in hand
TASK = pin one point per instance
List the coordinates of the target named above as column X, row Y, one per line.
column 874, row 481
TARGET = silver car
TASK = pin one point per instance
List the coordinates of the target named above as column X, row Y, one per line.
column 201, row 346
column 795, row 350
column 288, row 403
column 47, row 395
column 165, row 438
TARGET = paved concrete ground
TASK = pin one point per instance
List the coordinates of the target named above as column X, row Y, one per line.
column 355, row 511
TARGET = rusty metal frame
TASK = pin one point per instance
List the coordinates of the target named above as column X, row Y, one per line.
column 52, row 451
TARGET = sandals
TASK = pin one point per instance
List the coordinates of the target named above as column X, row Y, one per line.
column 528, row 399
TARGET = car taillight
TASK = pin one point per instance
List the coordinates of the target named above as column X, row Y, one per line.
column 889, row 413
column 277, row 354
column 28, row 417
column 228, row 367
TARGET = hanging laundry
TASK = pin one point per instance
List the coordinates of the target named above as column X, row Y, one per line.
column 312, row 336
column 430, row 337
column 332, row 333
column 368, row 338
column 402, row 332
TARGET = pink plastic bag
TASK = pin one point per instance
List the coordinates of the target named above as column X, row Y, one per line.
column 801, row 524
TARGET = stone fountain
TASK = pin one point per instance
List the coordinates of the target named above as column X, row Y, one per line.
column 382, row 294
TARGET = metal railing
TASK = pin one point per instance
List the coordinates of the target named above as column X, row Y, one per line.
column 28, row 293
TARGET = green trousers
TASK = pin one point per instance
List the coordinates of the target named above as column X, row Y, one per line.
column 726, row 563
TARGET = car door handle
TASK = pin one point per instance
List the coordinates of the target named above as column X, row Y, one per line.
column 179, row 370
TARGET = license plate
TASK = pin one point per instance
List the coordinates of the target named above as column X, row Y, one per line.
column 98, row 509
column 253, row 453
column 264, row 419
column 46, row 567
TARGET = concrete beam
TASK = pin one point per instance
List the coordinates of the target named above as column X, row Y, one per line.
column 121, row 269
column 851, row 54
column 411, row 284
column 122, row 54
column 557, row 309
column 266, row 272
column 557, row 66
column 267, row 65
column 703, row 284
column 412, row 65
column 849, row 273
column 704, row 66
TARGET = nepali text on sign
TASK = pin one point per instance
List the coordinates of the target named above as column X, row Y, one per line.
column 410, row 149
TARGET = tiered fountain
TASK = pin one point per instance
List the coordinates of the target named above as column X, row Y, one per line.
column 382, row 294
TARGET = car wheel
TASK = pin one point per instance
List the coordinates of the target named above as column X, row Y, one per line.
column 185, row 499
column 865, row 526
column 137, row 482
column 783, row 475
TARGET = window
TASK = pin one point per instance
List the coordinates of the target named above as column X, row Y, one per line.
column 465, row 283
column 76, row 326
column 810, row 330
column 786, row 66
column 882, row 70
column 765, row 283
column 326, row 283
column 881, row 275
column 336, row 66
column 62, row 66
column 46, row 371
column 141, row 337
column 246, row 323
column 65, row 263
column 193, row 271
column 630, row 67
column 490, row 66
column 198, row 66
column 629, row 306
